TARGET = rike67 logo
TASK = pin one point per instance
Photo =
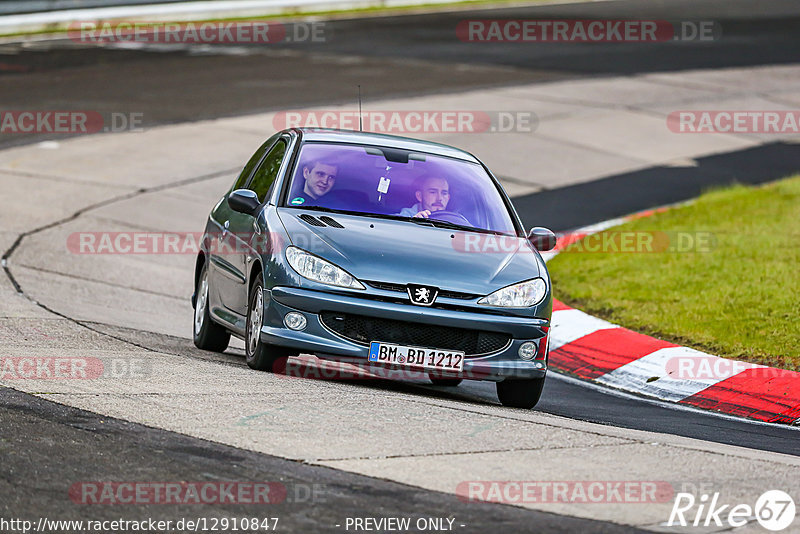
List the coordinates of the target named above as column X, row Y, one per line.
column 774, row 510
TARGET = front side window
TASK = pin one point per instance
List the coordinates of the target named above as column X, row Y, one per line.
column 395, row 183
column 241, row 180
column 268, row 171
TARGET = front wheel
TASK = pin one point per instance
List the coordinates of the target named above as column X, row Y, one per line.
column 207, row 334
column 520, row 393
column 442, row 381
column 259, row 355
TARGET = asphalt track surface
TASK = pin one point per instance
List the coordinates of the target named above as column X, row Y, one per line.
column 35, row 432
column 397, row 56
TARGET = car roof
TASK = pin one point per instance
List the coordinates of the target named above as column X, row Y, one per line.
column 375, row 139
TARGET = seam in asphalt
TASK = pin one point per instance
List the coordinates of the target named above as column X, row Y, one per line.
column 467, row 453
column 127, row 196
column 62, row 179
column 518, row 181
column 101, row 282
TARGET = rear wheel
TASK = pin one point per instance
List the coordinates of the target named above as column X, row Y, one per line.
column 520, row 393
column 207, row 335
column 259, row 355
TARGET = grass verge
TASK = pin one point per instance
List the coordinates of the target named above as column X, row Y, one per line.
column 738, row 298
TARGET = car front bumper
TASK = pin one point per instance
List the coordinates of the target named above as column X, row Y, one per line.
column 318, row 339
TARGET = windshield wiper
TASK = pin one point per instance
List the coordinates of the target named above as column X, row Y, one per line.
column 350, row 212
column 451, row 226
column 336, row 210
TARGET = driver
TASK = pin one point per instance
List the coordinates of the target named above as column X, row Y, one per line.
column 433, row 194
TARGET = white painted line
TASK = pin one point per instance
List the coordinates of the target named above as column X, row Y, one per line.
column 604, row 225
column 587, row 230
column 549, row 255
column 571, row 325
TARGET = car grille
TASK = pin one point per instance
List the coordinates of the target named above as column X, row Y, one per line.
column 387, row 286
column 362, row 330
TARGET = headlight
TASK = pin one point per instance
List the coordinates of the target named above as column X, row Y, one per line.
column 520, row 295
column 316, row 269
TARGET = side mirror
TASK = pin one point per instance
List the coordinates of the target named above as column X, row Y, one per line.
column 244, row 201
column 542, row 239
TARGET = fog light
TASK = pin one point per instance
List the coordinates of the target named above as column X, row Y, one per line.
column 538, row 365
column 527, row 350
column 295, row 321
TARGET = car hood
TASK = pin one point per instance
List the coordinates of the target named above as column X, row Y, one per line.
column 403, row 252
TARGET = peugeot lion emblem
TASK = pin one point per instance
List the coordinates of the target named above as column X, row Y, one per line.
column 422, row 295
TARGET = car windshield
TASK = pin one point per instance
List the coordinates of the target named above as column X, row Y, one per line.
column 396, row 183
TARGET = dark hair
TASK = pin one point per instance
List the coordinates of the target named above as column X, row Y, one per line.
column 420, row 181
column 310, row 164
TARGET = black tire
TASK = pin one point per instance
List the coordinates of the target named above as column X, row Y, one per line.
column 441, row 381
column 259, row 355
column 207, row 334
column 520, row 393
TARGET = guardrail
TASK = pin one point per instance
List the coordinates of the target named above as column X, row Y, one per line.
column 12, row 7
column 14, row 24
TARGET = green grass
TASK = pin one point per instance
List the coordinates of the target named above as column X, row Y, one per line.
column 739, row 300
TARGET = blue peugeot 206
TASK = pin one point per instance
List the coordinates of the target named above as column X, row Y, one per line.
column 376, row 250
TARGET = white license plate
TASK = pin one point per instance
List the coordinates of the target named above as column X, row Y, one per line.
column 441, row 360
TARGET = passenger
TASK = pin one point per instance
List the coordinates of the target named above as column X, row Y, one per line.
column 319, row 175
column 433, row 194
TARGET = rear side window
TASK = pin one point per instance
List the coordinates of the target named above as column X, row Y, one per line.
column 268, row 171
